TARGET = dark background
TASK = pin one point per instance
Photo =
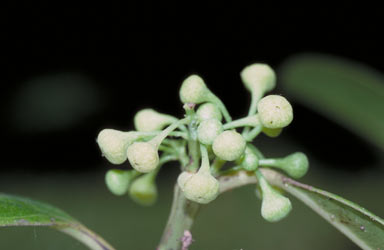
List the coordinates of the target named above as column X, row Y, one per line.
column 71, row 70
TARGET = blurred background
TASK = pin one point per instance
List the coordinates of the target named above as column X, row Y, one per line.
column 71, row 70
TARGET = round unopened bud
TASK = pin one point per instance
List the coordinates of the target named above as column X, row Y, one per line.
column 272, row 132
column 200, row 187
column 193, row 90
column 250, row 161
column 148, row 120
column 143, row 156
column 229, row 145
column 113, row 144
column 274, row 206
column 275, row 111
column 296, row 164
column 143, row 190
column 208, row 111
column 208, row 130
column 118, row 181
column 258, row 78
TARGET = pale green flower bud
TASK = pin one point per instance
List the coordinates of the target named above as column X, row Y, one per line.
column 250, row 161
column 143, row 190
column 201, row 187
column 229, row 145
column 274, row 206
column 194, row 90
column 113, row 144
column 118, row 181
column 258, row 78
column 208, row 111
column 275, row 111
column 148, row 120
column 295, row 165
column 183, row 177
column 208, row 130
column 143, row 156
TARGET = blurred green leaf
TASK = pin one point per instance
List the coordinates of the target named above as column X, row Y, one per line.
column 18, row 211
column 349, row 93
column 361, row 226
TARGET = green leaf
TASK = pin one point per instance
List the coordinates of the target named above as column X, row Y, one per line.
column 18, row 211
column 347, row 92
column 361, row 226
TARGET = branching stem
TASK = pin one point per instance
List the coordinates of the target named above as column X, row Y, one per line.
column 181, row 218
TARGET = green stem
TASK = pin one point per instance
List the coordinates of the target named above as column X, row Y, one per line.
column 163, row 134
column 181, row 134
column 263, row 184
column 255, row 98
column 183, row 211
column 256, row 151
column 181, row 219
column 251, row 121
column 253, row 133
column 193, row 144
column 180, row 148
column 167, row 149
column 204, row 160
column 214, row 99
column 269, row 162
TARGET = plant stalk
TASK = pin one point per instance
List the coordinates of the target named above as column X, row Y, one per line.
column 181, row 219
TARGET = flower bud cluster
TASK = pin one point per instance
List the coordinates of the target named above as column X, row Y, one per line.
column 204, row 138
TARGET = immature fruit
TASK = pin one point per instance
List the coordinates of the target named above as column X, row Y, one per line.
column 143, row 190
column 143, row 156
column 208, row 111
column 208, row 130
column 258, row 78
column 275, row 111
column 229, row 145
column 113, row 144
column 118, row 181
column 148, row 120
column 201, row 187
column 193, row 90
